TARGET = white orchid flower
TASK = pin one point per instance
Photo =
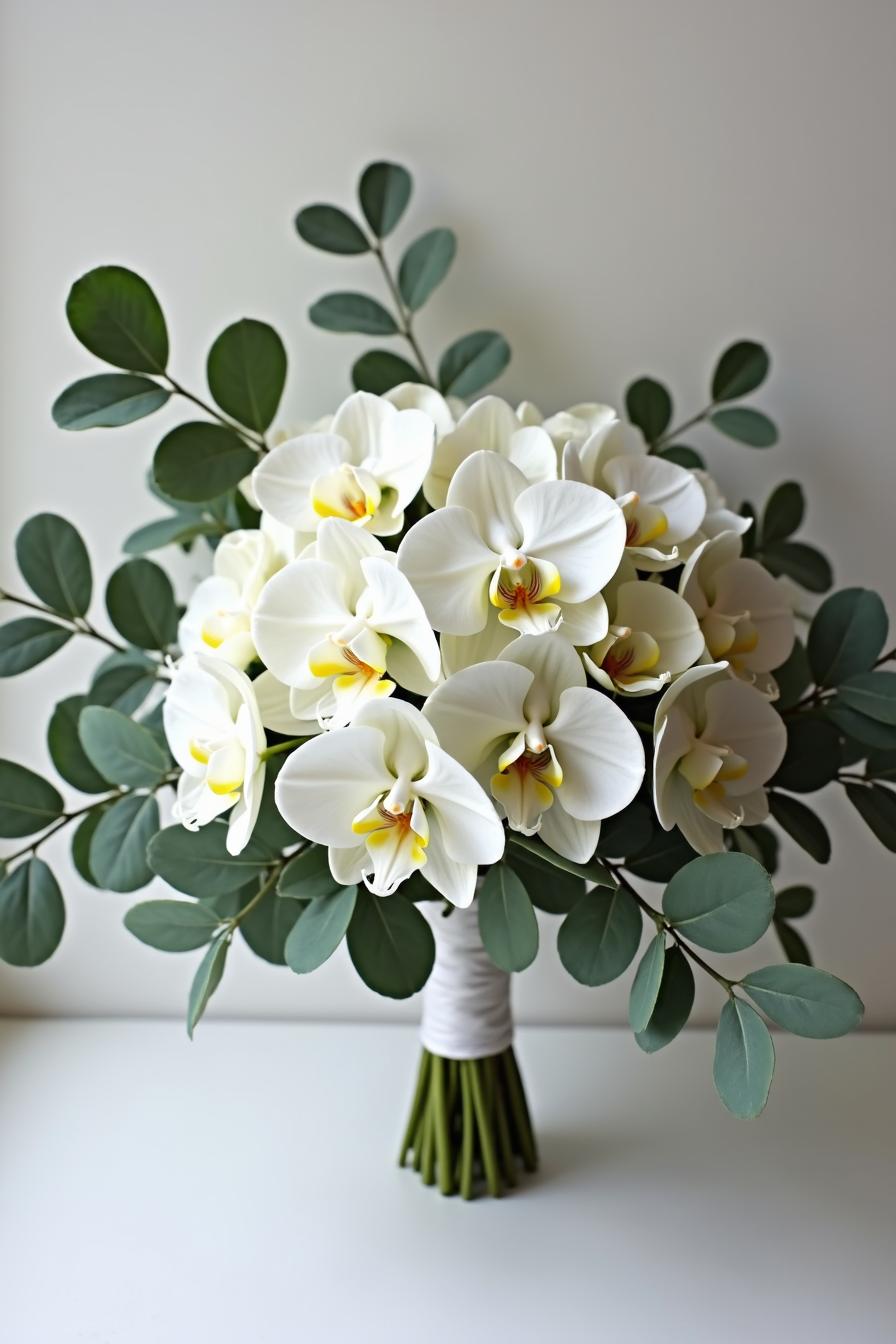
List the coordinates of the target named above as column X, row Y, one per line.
column 490, row 425
column 334, row 622
column 557, row 756
column 743, row 610
column 366, row 468
column 216, row 736
column 718, row 517
column 444, row 412
column 717, row 741
column 388, row 801
column 574, row 425
column 218, row 616
column 535, row 554
column 653, row 637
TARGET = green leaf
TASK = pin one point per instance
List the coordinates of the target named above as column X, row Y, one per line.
column 793, row 943
column 683, row 456
column 391, row 944
column 593, row 871
column 673, row 1003
column 247, row 373
column 794, row 902
column 172, row 926
column 805, row 1001
column 812, row 758
column 331, row 229
column 384, row 192
column 507, row 924
column 320, row 929
column 206, row 980
column 118, row 847
column 799, row 562
column 379, row 371
column 872, row 694
column 793, row 677
column 801, row 825
column 881, row 765
column 29, row 641
column 66, row 751
column 197, row 862
column 177, row 530
column 649, row 406
column 859, row 727
column 784, row 512
column 740, row 370
column 425, row 265
column 32, row 914
column 308, row 876
column 472, row 362
column 268, row 925
column 759, row 843
column 876, row 806
column 115, row 314
column 81, row 842
column 662, row 858
column 54, row 562
column 628, row 832
column 599, row 937
column 108, row 400
column 199, row 461
column 141, row 606
column 723, row 902
column 746, row 426
column 28, row 803
column 646, row 984
column 353, row 312
column 124, row 752
column 124, row 685
column 549, row 888
column 847, row 633
column 744, row 1060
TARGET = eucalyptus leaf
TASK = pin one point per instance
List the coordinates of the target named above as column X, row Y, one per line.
column 320, row 929
column 746, row 426
column 628, row 832
column 881, row 765
column 331, row 229
column 872, row 694
column 425, row 265
column 115, row 314
column 55, row 564
column 723, row 902
column 28, row 803
column 123, row 687
column 860, row 728
column 353, row 312
column 812, row 758
column 549, row 888
column 593, row 871
column 268, row 925
column 649, row 406
column 784, row 512
column 177, row 530
column 379, row 371
column 67, row 754
column 507, row 924
column 384, row 192
column 794, row 902
column 803, row 564
column 28, row 641
column 141, row 606
column 118, row 846
column 81, row 842
column 876, row 805
column 32, row 914
column 805, row 1001
column 741, row 369
column 123, row 751
column 308, row 876
column 199, row 461
column 172, row 926
column 197, row 862
column 599, row 937
column 846, row 635
column 673, row 1003
column 206, row 980
column 793, row 677
column 801, row 825
column 662, row 857
column 683, row 456
column 793, row 943
column 390, row 943
column 744, row 1062
column 646, row 984
column 473, row 362
column 247, row 373
column 107, row 401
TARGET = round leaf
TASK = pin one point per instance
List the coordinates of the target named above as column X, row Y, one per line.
column 599, row 937
column 198, row 461
column 206, row 981
column 801, row 825
column 472, row 362
column 876, row 806
column 507, row 924
column 32, row 914
column 793, row 677
column 723, row 902
column 140, row 603
column 746, row 426
column 55, row 564
column 27, row 802
column 549, row 888
column 331, row 229
column 118, row 848
column 646, row 984
column 123, row 687
column 793, row 943
column 805, row 1001
column 744, row 1060
column 178, row 530
column 81, row 842
column 783, row 512
column 115, row 314
column 649, row 406
column 628, row 832
column 662, row 858
column 320, row 929
column 804, row 564
column 391, row 944
column 27, row 642
column 740, row 370
column 846, row 635
column 197, row 862
column 308, row 876
column 123, row 751
column 872, row 694
column 108, row 400
column 353, row 312
column 379, row 371
column 247, row 373
column 172, row 926
column 66, row 751
column 673, row 1003
column 268, row 925
column 683, row 456
column 859, row 728
column 425, row 265
column 384, row 192
column 794, row 902
column 812, row 758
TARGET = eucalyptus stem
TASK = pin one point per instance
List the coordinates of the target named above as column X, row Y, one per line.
column 269, row 882
column 78, row 625
column 664, row 926
column 671, row 434
column 405, row 321
column 256, row 441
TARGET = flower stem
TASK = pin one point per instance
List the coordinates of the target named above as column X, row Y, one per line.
column 671, row 434
column 253, row 440
column 663, row 924
column 78, row 625
column 280, row 747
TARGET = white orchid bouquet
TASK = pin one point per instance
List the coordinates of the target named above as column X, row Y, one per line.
column 454, row 662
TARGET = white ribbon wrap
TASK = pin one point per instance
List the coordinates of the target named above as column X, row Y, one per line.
column 466, row 1000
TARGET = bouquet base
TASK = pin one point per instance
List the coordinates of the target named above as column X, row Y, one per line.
column 469, row 1129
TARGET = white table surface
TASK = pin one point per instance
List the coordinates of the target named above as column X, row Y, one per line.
column 243, row 1190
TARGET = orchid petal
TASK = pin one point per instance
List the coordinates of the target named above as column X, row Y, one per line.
column 470, row 829
column 575, row 527
column 297, row 609
column 394, row 609
column 489, row 486
column 600, row 753
column 283, row 478
column 741, row 718
column 567, row 835
column 449, row 567
column 419, row 397
column 663, row 485
column 487, row 426
column 476, row 709
column 454, row 880
column 328, row 780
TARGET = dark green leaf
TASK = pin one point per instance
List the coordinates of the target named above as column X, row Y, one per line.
column 794, row 902
column 662, row 858
column 384, row 192
column 599, row 937
column 812, row 758
column 66, row 751
column 744, row 1060
column 740, row 370
column 141, row 606
column 32, row 914
column 472, row 362
column 199, row 461
column 649, row 406
column 352, row 312
column 172, row 926
column 108, row 400
column 117, row 856
column 123, row 686
column 783, row 512
column 28, row 803
column 206, row 980
column 793, row 943
column 425, row 265
column 793, row 677
column 115, row 314
column 673, row 1004
column 549, row 888
column 881, row 765
column 331, row 229
column 320, row 929
column 746, row 426
column 801, row 825
column 268, row 925
column 847, row 633
column 872, row 694
column 804, row 1000
column 390, row 944
column 876, row 806
column 646, row 984
column 759, row 843
column 55, row 563
column 593, row 871
column 507, row 924
column 682, row 456
column 308, row 876
column 197, row 862
column 123, row 751
column 804, row 564
column 628, row 833
column 723, row 902
column 859, row 727
column 81, row 842
column 177, row 530
column 379, row 371
column 27, row 642
column 247, row 373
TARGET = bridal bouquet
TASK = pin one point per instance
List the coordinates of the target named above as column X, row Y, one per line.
column 453, row 662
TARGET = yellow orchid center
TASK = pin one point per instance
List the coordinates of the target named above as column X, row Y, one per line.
column 222, row 625
column 628, row 655
column 348, row 492
column 524, row 784
column 396, row 834
column 225, row 764
column 729, row 636
column 644, row 523
column 356, row 666
column 519, row 589
column 708, row 768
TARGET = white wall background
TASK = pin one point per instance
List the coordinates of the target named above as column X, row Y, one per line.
column 633, row 182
